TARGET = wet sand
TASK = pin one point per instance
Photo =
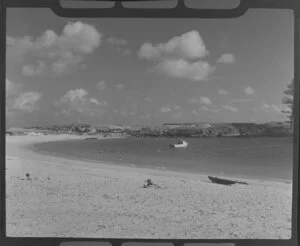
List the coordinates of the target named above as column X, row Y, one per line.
column 68, row 198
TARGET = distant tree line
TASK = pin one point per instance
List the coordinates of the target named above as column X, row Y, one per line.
column 288, row 100
column 212, row 130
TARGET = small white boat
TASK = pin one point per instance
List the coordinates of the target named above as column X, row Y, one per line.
column 179, row 144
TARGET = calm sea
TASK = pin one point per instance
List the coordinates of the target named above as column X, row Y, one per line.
column 263, row 158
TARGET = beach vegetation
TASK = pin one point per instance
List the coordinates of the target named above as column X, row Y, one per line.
column 288, row 101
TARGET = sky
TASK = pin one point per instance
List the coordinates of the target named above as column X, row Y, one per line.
column 146, row 71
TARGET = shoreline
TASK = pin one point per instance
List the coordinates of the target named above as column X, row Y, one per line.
column 146, row 170
column 72, row 197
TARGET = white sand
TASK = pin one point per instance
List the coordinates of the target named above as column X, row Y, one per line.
column 68, row 198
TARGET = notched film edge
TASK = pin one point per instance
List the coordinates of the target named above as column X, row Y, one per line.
column 161, row 125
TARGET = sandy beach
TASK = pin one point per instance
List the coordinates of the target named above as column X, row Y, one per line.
column 67, row 198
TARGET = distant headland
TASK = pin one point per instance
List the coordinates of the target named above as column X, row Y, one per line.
column 182, row 130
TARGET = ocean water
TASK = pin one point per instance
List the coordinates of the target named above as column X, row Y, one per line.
column 262, row 158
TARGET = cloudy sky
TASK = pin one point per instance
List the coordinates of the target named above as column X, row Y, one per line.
column 146, row 71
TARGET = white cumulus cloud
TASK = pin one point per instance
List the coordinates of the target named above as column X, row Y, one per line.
column 205, row 100
column 101, row 85
column 27, row 101
column 271, row 108
column 249, row 91
column 195, row 71
column 79, row 37
column 180, row 57
column 34, row 69
column 223, row 92
column 52, row 52
column 200, row 110
column 201, row 100
column 230, row 108
column 165, row 109
column 203, row 108
column 95, row 101
column 119, row 44
column 67, row 61
column 226, row 58
column 116, row 41
column 19, row 101
column 120, row 87
column 74, row 95
column 78, row 100
column 187, row 46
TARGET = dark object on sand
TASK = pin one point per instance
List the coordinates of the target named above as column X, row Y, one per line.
column 148, row 183
column 28, row 176
column 240, row 182
column 225, row 181
column 221, row 181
